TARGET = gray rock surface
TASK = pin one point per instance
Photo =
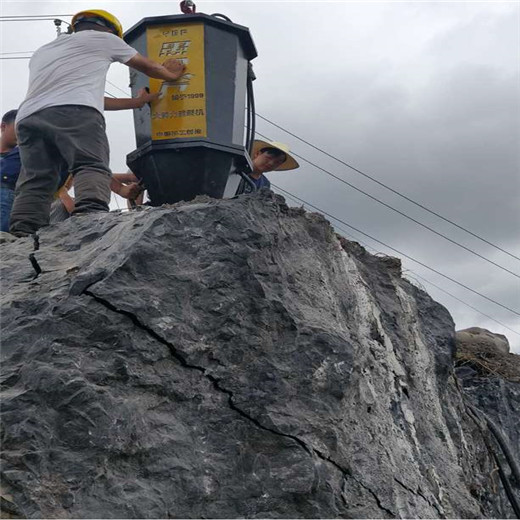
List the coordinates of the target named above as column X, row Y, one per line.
column 475, row 337
column 225, row 359
column 491, row 383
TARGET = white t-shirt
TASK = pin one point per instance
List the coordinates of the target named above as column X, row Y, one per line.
column 71, row 70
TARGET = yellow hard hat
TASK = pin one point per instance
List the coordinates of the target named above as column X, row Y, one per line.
column 99, row 13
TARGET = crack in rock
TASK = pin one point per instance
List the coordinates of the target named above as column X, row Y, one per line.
column 35, row 265
column 309, row 449
column 376, row 498
column 418, row 493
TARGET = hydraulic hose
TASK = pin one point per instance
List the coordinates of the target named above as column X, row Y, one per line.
column 251, row 106
column 250, row 111
column 478, row 416
column 504, row 445
column 247, row 180
column 248, row 121
column 223, row 16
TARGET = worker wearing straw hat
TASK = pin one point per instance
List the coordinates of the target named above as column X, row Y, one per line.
column 269, row 156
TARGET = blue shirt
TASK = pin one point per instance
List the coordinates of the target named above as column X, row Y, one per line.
column 10, row 165
column 261, row 182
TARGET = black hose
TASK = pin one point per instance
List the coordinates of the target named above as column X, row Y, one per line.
column 251, row 106
column 250, row 128
column 253, row 119
column 507, row 487
column 493, row 428
column 219, row 15
column 248, row 120
column 506, row 449
column 247, row 180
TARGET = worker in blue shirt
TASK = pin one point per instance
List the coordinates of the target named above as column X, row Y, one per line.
column 267, row 157
column 9, row 167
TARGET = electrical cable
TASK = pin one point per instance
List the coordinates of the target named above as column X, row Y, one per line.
column 33, row 20
column 249, row 143
column 116, row 87
column 465, row 303
column 48, row 17
column 420, row 263
column 51, row 16
column 17, row 52
column 400, row 252
column 403, row 214
column 425, row 208
column 298, row 200
column 364, row 244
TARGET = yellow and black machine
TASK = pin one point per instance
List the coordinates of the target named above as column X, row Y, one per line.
column 194, row 139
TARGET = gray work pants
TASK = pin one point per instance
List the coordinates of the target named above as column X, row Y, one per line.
column 51, row 140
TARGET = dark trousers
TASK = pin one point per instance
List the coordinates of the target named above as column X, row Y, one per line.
column 69, row 137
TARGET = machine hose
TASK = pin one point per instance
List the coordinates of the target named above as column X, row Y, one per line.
column 251, row 110
column 223, row 16
column 478, row 416
column 502, row 441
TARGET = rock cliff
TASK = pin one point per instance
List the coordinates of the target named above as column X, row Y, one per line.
column 223, row 359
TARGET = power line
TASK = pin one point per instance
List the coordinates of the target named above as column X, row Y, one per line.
column 403, row 214
column 116, row 87
column 28, row 57
column 28, row 20
column 35, row 16
column 465, row 303
column 388, row 187
column 365, row 193
column 390, row 247
column 399, row 252
column 422, row 277
column 17, row 52
column 497, row 303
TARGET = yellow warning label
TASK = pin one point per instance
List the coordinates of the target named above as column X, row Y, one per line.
column 180, row 111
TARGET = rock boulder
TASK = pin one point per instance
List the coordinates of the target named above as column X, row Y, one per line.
column 224, row 359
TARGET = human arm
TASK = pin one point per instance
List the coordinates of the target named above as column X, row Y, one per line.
column 125, row 177
column 143, row 97
column 127, row 191
column 171, row 71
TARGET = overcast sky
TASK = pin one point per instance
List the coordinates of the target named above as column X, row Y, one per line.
column 423, row 96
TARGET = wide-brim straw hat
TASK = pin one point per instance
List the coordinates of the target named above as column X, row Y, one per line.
column 288, row 164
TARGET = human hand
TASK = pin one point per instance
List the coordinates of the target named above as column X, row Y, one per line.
column 175, row 67
column 144, row 96
column 130, row 191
